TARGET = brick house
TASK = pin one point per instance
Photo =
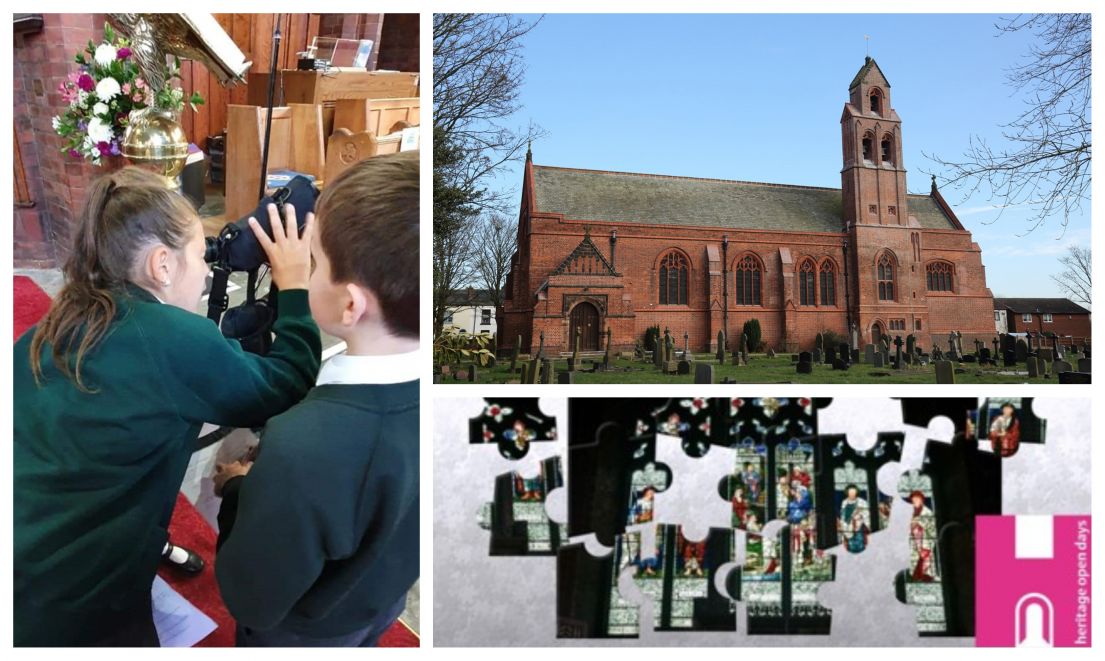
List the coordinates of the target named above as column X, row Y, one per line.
column 627, row 251
column 1061, row 316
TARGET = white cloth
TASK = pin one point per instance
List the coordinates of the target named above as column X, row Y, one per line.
column 390, row 368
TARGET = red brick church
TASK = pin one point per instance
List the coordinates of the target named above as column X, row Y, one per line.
column 627, row 251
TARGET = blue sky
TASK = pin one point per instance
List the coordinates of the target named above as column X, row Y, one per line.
column 759, row 98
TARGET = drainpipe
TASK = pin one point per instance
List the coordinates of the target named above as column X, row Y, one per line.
column 725, row 285
column 847, row 298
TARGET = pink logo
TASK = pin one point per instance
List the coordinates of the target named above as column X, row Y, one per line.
column 1032, row 581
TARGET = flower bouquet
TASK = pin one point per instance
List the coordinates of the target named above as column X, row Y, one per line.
column 103, row 92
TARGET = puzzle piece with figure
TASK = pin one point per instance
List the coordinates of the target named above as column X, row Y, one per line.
column 517, row 518
column 1000, row 423
column 675, row 574
column 956, row 483
column 512, row 424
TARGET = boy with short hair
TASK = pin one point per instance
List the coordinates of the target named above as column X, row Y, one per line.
column 318, row 544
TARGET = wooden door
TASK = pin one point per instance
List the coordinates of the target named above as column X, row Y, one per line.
column 876, row 335
column 585, row 318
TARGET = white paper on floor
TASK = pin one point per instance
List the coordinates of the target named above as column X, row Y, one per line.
column 178, row 622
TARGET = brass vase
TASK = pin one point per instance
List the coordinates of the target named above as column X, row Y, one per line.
column 155, row 140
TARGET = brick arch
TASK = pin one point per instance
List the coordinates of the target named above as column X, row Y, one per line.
column 877, row 91
column 886, row 283
column 940, row 275
column 748, row 283
column 666, row 251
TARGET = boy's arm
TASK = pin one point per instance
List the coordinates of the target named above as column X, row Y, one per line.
column 212, row 379
column 277, row 547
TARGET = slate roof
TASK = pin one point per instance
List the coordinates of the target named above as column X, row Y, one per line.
column 467, row 297
column 868, row 63
column 624, row 197
column 1049, row 305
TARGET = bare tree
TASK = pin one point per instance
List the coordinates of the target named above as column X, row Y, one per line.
column 478, row 71
column 452, row 266
column 1046, row 165
column 497, row 242
column 1075, row 279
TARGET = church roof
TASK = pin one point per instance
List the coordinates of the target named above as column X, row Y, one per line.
column 623, row 197
column 868, row 64
column 1048, row 305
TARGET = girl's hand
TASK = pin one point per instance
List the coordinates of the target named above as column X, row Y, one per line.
column 289, row 253
column 224, row 472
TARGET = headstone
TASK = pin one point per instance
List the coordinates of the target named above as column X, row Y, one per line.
column 573, row 364
column 855, row 337
column 721, row 347
column 1010, row 357
column 744, row 348
column 565, row 377
column 1033, row 367
column 669, row 345
column 547, row 372
column 1060, row 366
column 844, row 352
column 816, row 355
column 703, row 373
column 898, row 351
column 959, row 342
column 684, row 367
column 686, row 345
column 1021, row 350
column 937, row 354
column 1083, row 364
column 985, row 357
column 910, row 346
column 460, row 375
column 969, row 358
column 945, row 372
column 1074, row 377
column 805, row 357
column 830, row 355
column 472, row 374
column 996, row 348
column 855, row 356
column 609, row 350
column 804, row 368
column 794, row 358
column 541, row 347
column 880, row 360
column 869, row 354
column 1047, row 355
column 840, row 364
column 978, row 348
column 534, row 374
column 446, row 371
column 819, row 342
column 514, row 354
column 951, row 344
column 771, row 352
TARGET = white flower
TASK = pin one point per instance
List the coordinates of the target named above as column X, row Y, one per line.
column 105, row 54
column 107, row 89
column 100, row 109
column 56, row 121
column 99, row 131
column 82, row 99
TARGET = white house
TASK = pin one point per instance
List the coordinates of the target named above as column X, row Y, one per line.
column 470, row 311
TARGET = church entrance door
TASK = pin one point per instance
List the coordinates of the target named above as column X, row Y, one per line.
column 585, row 317
column 876, row 334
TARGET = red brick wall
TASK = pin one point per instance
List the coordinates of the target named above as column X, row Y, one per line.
column 1077, row 325
column 56, row 182
column 399, row 45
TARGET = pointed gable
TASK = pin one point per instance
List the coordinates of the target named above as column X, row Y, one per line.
column 870, row 73
column 585, row 260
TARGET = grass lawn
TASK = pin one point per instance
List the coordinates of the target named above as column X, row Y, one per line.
column 767, row 370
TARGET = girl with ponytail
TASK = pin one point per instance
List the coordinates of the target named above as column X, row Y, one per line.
column 111, row 389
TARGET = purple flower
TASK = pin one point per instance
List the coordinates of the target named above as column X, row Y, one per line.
column 82, row 125
column 104, row 148
column 122, row 54
column 74, row 153
column 86, row 83
column 115, row 148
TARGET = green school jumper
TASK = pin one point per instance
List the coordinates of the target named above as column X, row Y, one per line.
column 96, row 475
column 320, row 539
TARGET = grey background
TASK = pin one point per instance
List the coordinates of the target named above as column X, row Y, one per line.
column 511, row 601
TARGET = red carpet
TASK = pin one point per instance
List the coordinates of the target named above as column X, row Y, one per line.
column 188, row 528
column 29, row 303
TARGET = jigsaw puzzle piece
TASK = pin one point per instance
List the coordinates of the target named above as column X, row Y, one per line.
column 1002, row 424
column 957, row 483
column 512, row 424
column 614, row 471
column 757, row 419
column 691, row 419
column 852, row 506
column 689, row 501
column 517, row 518
column 920, row 411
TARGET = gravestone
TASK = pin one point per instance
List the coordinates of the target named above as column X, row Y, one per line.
column 1074, row 377
column 703, row 373
column 805, row 357
column 1033, row 367
column 969, row 358
column 985, row 355
column 744, row 348
column 819, row 342
column 840, row 364
column 514, row 354
column 720, row 347
column 771, row 352
column 686, row 345
column 1083, row 364
column 959, row 342
column 574, row 364
column 945, row 372
column 1060, row 366
column 996, row 349
column 669, row 346
column 816, row 357
column 1021, row 350
column 534, row 373
column 805, row 362
column 794, row 358
column 684, row 367
column 844, row 352
column 978, row 348
column 937, row 354
column 880, row 360
column 855, row 356
column 855, row 338
column 898, row 351
column 951, row 344
column 541, row 346
column 446, row 371
column 1047, row 355
column 460, row 375
column 547, row 372
column 472, row 377
column 869, row 354
column 1010, row 357
column 565, row 377
column 910, row 346
column 830, row 355
column 606, row 357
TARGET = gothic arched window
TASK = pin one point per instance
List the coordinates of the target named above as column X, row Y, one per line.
column 749, row 276
column 876, row 102
column 868, row 146
column 938, row 276
column 807, row 283
column 673, row 279
column 886, row 278
column 828, row 283
column 887, row 149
